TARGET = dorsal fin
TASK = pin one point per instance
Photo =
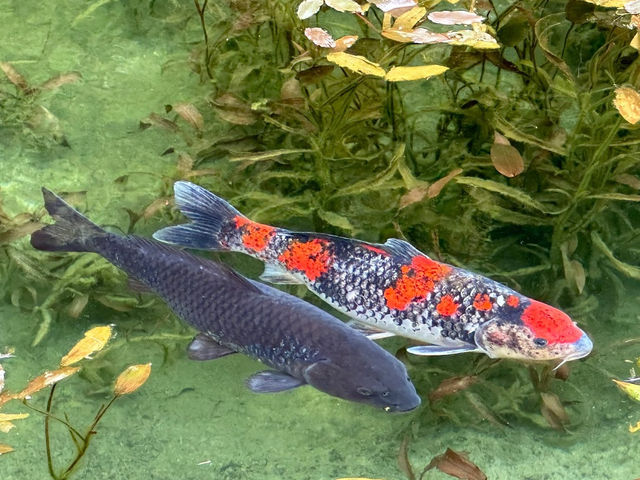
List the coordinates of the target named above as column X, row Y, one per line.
column 402, row 248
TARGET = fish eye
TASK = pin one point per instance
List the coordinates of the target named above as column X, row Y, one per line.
column 540, row 342
column 365, row 392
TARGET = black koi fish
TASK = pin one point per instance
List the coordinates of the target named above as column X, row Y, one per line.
column 300, row 342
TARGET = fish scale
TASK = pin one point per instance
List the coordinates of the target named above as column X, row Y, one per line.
column 391, row 287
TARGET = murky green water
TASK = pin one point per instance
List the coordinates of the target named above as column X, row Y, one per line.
column 197, row 420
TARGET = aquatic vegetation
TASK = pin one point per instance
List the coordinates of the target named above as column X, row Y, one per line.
column 23, row 112
column 127, row 382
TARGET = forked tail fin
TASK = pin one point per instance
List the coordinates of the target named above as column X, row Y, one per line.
column 209, row 214
column 72, row 232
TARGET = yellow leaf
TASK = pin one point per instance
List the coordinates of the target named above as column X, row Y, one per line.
column 94, row 340
column 345, row 43
column 7, row 417
column 5, row 427
column 399, row 74
column 634, row 428
column 608, row 3
column 630, row 389
column 45, row 380
column 5, row 449
column 408, row 20
column 356, row 63
column 635, row 41
column 627, row 101
column 132, row 379
column 1, row 379
column 475, row 39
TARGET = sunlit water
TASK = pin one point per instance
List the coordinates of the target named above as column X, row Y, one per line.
column 197, row 420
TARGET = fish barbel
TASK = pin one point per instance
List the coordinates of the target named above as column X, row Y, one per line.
column 300, row 342
column 391, row 287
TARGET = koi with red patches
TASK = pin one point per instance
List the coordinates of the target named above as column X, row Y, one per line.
column 255, row 236
column 391, row 287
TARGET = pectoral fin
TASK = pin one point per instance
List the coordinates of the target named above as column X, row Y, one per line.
column 435, row 350
column 271, row 381
column 370, row 332
column 203, row 347
column 277, row 275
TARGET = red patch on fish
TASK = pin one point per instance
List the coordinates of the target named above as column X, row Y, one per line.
column 513, row 301
column 447, row 306
column 416, row 281
column 255, row 236
column 312, row 257
column 482, row 302
column 550, row 323
column 375, row 249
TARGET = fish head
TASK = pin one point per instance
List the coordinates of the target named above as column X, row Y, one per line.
column 533, row 331
column 385, row 386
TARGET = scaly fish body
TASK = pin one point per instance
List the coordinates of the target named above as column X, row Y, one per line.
column 391, row 287
column 301, row 342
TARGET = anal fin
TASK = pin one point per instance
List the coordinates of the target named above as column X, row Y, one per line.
column 203, row 347
column 278, row 275
column 436, row 350
column 370, row 332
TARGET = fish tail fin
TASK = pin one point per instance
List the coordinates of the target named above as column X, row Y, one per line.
column 72, row 231
column 209, row 214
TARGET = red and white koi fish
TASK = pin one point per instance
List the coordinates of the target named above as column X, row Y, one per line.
column 391, row 287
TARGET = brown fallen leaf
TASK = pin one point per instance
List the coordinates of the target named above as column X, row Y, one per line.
column 233, row 110
column 415, row 195
column 457, row 465
column 345, row 43
column 505, row 158
column 190, row 114
column 15, row 77
column 452, row 385
column 553, row 411
column 59, row 80
column 627, row 102
column 437, row 186
column 45, row 380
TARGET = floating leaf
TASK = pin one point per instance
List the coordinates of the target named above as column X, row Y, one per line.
column 132, row 379
column 9, row 417
column 344, row 5
column 356, row 63
column 471, row 38
column 627, row 102
column 308, row 8
column 634, row 428
column 457, row 465
column 190, row 114
column 437, row 186
column 505, row 158
column 5, row 449
column 399, row 74
column 345, row 43
column 631, row 389
column 457, row 17
column 320, row 37
column 632, row 7
column 94, row 340
column 45, row 380
column 608, row 3
column 408, row 20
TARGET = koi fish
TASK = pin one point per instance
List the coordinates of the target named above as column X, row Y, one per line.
column 300, row 342
column 391, row 287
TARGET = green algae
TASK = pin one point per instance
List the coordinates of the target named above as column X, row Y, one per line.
column 299, row 143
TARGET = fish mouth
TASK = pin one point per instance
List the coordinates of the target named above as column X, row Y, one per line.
column 399, row 409
column 583, row 348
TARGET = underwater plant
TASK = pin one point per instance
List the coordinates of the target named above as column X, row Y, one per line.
column 127, row 382
column 22, row 112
